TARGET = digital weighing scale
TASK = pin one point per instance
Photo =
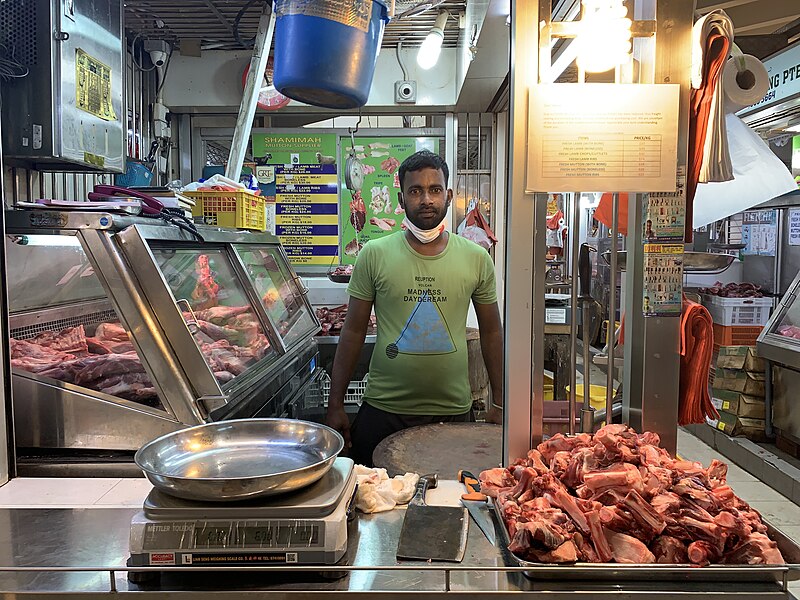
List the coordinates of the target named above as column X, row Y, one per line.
column 307, row 527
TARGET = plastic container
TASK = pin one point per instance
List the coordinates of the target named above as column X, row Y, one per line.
column 736, row 335
column 555, row 418
column 325, row 51
column 597, row 396
column 355, row 390
column 136, row 175
column 237, row 210
column 738, row 311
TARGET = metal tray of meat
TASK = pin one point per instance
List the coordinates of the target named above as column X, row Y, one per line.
column 656, row 572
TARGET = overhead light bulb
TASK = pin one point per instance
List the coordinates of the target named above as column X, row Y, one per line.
column 431, row 48
column 604, row 38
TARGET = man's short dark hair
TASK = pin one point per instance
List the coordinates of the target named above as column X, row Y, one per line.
column 424, row 159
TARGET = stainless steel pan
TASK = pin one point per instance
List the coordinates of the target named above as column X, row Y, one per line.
column 239, row 459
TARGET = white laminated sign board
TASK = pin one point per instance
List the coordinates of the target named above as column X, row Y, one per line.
column 603, row 137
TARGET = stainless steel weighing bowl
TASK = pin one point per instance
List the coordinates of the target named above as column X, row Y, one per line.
column 240, row 459
column 693, row 262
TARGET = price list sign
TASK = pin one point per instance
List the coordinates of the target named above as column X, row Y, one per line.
column 306, row 212
column 599, row 136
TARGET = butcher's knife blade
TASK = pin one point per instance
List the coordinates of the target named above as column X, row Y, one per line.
column 477, row 505
column 432, row 532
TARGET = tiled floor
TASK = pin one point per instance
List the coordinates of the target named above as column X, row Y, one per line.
column 779, row 510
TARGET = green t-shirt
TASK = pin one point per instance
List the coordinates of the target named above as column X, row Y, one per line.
column 419, row 366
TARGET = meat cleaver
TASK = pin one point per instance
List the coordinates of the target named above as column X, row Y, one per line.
column 476, row 503
column 432, row 532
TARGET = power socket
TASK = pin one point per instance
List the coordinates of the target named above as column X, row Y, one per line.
column 405, row 92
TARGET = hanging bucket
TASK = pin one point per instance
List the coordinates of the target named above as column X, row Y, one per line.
column 325, row 50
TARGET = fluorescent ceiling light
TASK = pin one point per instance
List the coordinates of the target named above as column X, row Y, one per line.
column 431, row 48
column 46, row 240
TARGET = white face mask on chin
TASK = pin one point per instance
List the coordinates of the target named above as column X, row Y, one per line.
column 426, row 236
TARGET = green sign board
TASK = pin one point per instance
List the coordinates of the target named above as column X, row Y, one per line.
column 382, row 214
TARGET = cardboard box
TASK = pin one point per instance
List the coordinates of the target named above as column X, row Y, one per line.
column 740, row 357
column 738, row 404
column 735, row 426
column 745, row 382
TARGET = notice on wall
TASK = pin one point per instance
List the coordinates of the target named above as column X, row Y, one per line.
column 664, row 214
column 760, row 232
column 794, row 227
column 382, row 213
column 299, row 173
column 663, row 280
column 599, row 136
column 93, row 86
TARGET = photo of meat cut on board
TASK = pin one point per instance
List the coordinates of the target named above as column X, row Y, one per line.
column 375, row 211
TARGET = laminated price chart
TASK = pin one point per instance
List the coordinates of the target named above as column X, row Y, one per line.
column 601, row 155
column 603, row 137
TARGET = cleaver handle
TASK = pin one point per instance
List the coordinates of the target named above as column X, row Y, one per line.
column 425, row 482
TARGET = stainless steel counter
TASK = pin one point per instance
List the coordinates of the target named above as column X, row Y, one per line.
column 94, row 544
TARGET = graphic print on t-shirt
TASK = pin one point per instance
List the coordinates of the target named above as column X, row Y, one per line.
column 425, row 332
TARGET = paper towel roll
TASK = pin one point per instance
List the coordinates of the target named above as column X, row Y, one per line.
column 746, row 88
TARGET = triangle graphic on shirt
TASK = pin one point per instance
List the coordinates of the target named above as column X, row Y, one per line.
column 426, row 331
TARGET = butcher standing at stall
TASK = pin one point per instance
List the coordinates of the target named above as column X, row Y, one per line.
column 420, row 281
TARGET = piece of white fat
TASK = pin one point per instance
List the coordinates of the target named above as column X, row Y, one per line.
column 378, row 493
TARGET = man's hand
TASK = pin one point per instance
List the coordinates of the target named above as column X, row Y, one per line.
column 494, row 415
column 337, row 419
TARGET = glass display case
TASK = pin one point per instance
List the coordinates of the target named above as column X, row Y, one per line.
column 125, row 328
column 780, row 339
column 279, row 291
column 216, row 309
column 63, row 327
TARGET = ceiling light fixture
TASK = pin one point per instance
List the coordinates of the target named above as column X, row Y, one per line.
column 432, row 46
column 604, row 38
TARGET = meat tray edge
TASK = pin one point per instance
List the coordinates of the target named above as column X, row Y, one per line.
column 656, row 572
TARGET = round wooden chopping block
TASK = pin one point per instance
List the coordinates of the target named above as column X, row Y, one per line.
column 441, row 448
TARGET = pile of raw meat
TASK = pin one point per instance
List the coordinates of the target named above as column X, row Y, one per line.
column 342, row 271
column 332, row 320
column 230, row 338
column 616, row 496
column 105, row 362
column 733, row 290
column 791, row 331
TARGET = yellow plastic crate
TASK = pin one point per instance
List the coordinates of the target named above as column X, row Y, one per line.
column 238, row 210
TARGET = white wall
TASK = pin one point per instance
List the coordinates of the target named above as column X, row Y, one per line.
column 213, row 82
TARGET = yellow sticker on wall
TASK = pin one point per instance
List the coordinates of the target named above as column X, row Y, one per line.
column 93, row 86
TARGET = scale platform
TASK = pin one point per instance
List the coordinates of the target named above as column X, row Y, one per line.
column 307, row 527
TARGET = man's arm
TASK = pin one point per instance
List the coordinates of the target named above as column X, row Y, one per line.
column 491, row 330
column 351, row 340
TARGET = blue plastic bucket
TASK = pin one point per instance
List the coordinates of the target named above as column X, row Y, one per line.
column 325, row 50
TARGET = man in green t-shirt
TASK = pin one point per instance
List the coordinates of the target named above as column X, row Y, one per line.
column 420, row 281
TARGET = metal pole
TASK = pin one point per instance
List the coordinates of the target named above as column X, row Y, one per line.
column 252, row 88
column 612, row 308
column 573, row 325
column 768, row 429
column 518, row 417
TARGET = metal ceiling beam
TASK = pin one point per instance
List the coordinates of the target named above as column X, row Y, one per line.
column 252, row 87
column 705, row 7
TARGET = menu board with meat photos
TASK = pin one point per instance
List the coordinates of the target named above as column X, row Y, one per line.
column 375, row 211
